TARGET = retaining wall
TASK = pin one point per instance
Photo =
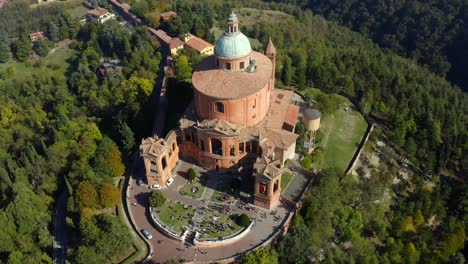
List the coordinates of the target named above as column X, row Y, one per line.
column 225, row 241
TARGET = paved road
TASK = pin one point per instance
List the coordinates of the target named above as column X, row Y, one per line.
column 165, row 248
column 60, row 229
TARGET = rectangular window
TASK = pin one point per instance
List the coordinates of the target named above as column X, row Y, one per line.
column 241, row 147
column 219, row 107
column 232, row 151
column 228, row 66
column 217, row 62
column 241, row 66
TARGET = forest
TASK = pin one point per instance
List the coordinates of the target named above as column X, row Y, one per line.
column 76, row 131
column 423, row 116
column 431, row 32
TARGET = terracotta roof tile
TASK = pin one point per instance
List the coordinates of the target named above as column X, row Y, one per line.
column 198, row 44
column 168, row 15
column 219, row 83
column 98, row 12
column 291, row 115
column 161, row 35
column 175, row 42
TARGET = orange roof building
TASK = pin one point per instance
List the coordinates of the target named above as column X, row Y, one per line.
column 237, row 122
column 35, row 36
column 100, row 14
column 168, row 15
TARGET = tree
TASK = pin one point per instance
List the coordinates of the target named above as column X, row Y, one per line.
column 127, row 138
column 243, row 220
column 22, row 47
column 41, row 47
column 306, row 162
column 86, row 195
column 419, row 218
column 110, row 195
column 261, row 256
column 4, row 49
column 138, row 87
column 192, row 174
column 54, row 33
column 114, row 159
column 182, row 68
column 410, row 253
column 157, row 198
column 287, row 74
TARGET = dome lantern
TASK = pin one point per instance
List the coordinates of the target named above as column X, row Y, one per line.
column 232, row 44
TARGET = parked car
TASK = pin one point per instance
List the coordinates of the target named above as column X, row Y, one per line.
column 169, row 181
column 140, row 181
column 155, row 187
column 146, row 234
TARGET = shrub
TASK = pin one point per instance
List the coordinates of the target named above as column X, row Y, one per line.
column 192, row 174
column 306, row 162
column 157, row 198
column 243, row 220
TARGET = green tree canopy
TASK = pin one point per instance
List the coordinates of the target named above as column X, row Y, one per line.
column 86, row 195
column 157, row 198
column 109, row 195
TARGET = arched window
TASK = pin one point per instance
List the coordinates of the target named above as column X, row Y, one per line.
column 219, row 107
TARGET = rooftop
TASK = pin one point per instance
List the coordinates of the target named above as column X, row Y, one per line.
column 281, row 109
column 214, row 82
column 311, row 114
column 35, row 36
column 198, row 44
column 155, row 146
column 160, row 34
column 168, row 15
column 175, row 42
column 98, row 12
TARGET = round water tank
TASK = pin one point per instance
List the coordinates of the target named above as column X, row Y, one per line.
column 311, row 119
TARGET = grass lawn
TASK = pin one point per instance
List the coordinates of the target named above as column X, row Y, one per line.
column 57, row 56
column 342, row 132
column 230, row 227
column 78, row 11
column 252, row 16
column 187, row 189
column 286, row 177
column 174, row 215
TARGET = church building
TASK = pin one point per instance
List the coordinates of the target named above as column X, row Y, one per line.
column 238, row 122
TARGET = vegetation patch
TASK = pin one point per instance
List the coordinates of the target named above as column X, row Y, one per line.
column 55, row 62
column 193, row 188
column 175, row 215
column 218, row 225
column 286, row 177
column 341, row 130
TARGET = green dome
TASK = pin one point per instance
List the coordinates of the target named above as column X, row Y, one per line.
column 232, row 45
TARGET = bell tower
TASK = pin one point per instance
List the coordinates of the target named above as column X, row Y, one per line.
column 270, row 52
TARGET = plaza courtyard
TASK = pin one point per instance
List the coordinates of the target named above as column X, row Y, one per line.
column 210, row 214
